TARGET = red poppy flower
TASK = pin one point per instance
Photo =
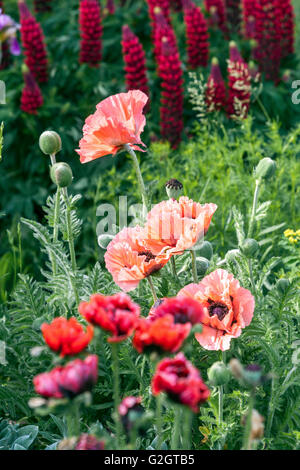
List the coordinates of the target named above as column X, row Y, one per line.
column 181, row 381
column 183, row 310
column 228, row 308
column 66, row 336
column 68, row 381
column 116, row 314
column 128, row 404
column 89, row 442
column 162, row 334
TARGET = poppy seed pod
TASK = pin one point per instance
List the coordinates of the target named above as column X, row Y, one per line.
column 249, row 247
column 50, row 142
column 265, row 169
column 174, row 188
column 218, row 374
column 205, row 250
column 61, row 174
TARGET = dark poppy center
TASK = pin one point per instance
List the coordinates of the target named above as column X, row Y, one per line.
column 217, row 308
column 180, row 317
column 148, row 254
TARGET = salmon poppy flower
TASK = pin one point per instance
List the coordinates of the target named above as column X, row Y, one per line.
column 116, row 314
column 129, row 260
column 181, row 381
column 175, row 226
column 228, row 308
column 183, row 310
column 68, row 381
column 118, row 120
column 66, row 336
column 160, row 334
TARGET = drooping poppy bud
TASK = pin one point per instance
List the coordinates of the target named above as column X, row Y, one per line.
column 61, row 174
column 218, row 374
column 265, row 169
column 249, row 247
column 50, row 142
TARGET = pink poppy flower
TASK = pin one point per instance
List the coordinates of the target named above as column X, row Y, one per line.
column 227, row 308
column 118, row 120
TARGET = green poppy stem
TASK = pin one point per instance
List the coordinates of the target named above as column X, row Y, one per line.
column 194, row 266
column 116, row 389
column 247, row 432
column 152, row 289
column 139, row 178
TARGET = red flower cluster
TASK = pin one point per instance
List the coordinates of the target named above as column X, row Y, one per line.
column 89, row 442
column 91, row 32
column 134, row 58
column 216, row 9
column 33, row 44
column 287, row 22
column 42, row 6
column 68, row 381
column 160, row 334
column 183, row 310
column 162, row 29
column 116, row 314
column 216, row 89
column 164, row 5
column 171, row 111
column 110, row 7
column 197, row 35
column 239, row 84
column 66, row 336
column 268, row 37
column 32, row 98
column 181, row 381
column 128, row 404
column 249, row 14
column 233, row 15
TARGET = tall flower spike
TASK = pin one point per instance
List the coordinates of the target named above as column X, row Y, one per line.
column 32, row 98
column 134, row 59
column 42, row 6
column 33, row 44
column 196, row 34
column 171, row 111
column 91, row 32
column 233, row 15
column 216, row 10
column 110, row 7
column 216, row 90
column 248, row 8
column 268, row 37
column 162, row 29
column 239, row 84
column 164, row 5
column 287, row 16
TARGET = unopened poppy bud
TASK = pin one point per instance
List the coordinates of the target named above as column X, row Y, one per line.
column 282, row 285
column 104, row 240
column 218, row 374
column 231, row 255
column 236, row 368
column 266, row 168
column 61, row 174
column 249, row 247
column 50, row 142
column 202, row 265
column 174, row 188
column 205, row 250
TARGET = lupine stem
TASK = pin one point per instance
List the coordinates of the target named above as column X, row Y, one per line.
column 139, row 178
column 194, row 266
column 116, row 380
column 254, row 207
column 152, row 289
column 247, row 433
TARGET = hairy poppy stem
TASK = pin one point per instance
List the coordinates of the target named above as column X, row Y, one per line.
column 176, row 431
column 254, row 207
column 139, row 178
column 246, row 440
column 71, row 243
column 187, row 428
column 116, row 380
column 152, row 289
column 159, row 410
column 56, row 222
column 73, row 420
column 194, row 266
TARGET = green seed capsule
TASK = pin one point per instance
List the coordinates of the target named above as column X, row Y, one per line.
column 61, row 174
column 50, row 143
column 265, row 169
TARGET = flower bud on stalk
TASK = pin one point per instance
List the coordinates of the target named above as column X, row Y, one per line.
column 249, row 247
column 202, row 265
column 218, row 374
column 61, row 174
column 265, row 169
column 282, row 285
column 50, row 143
column 205, row 250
